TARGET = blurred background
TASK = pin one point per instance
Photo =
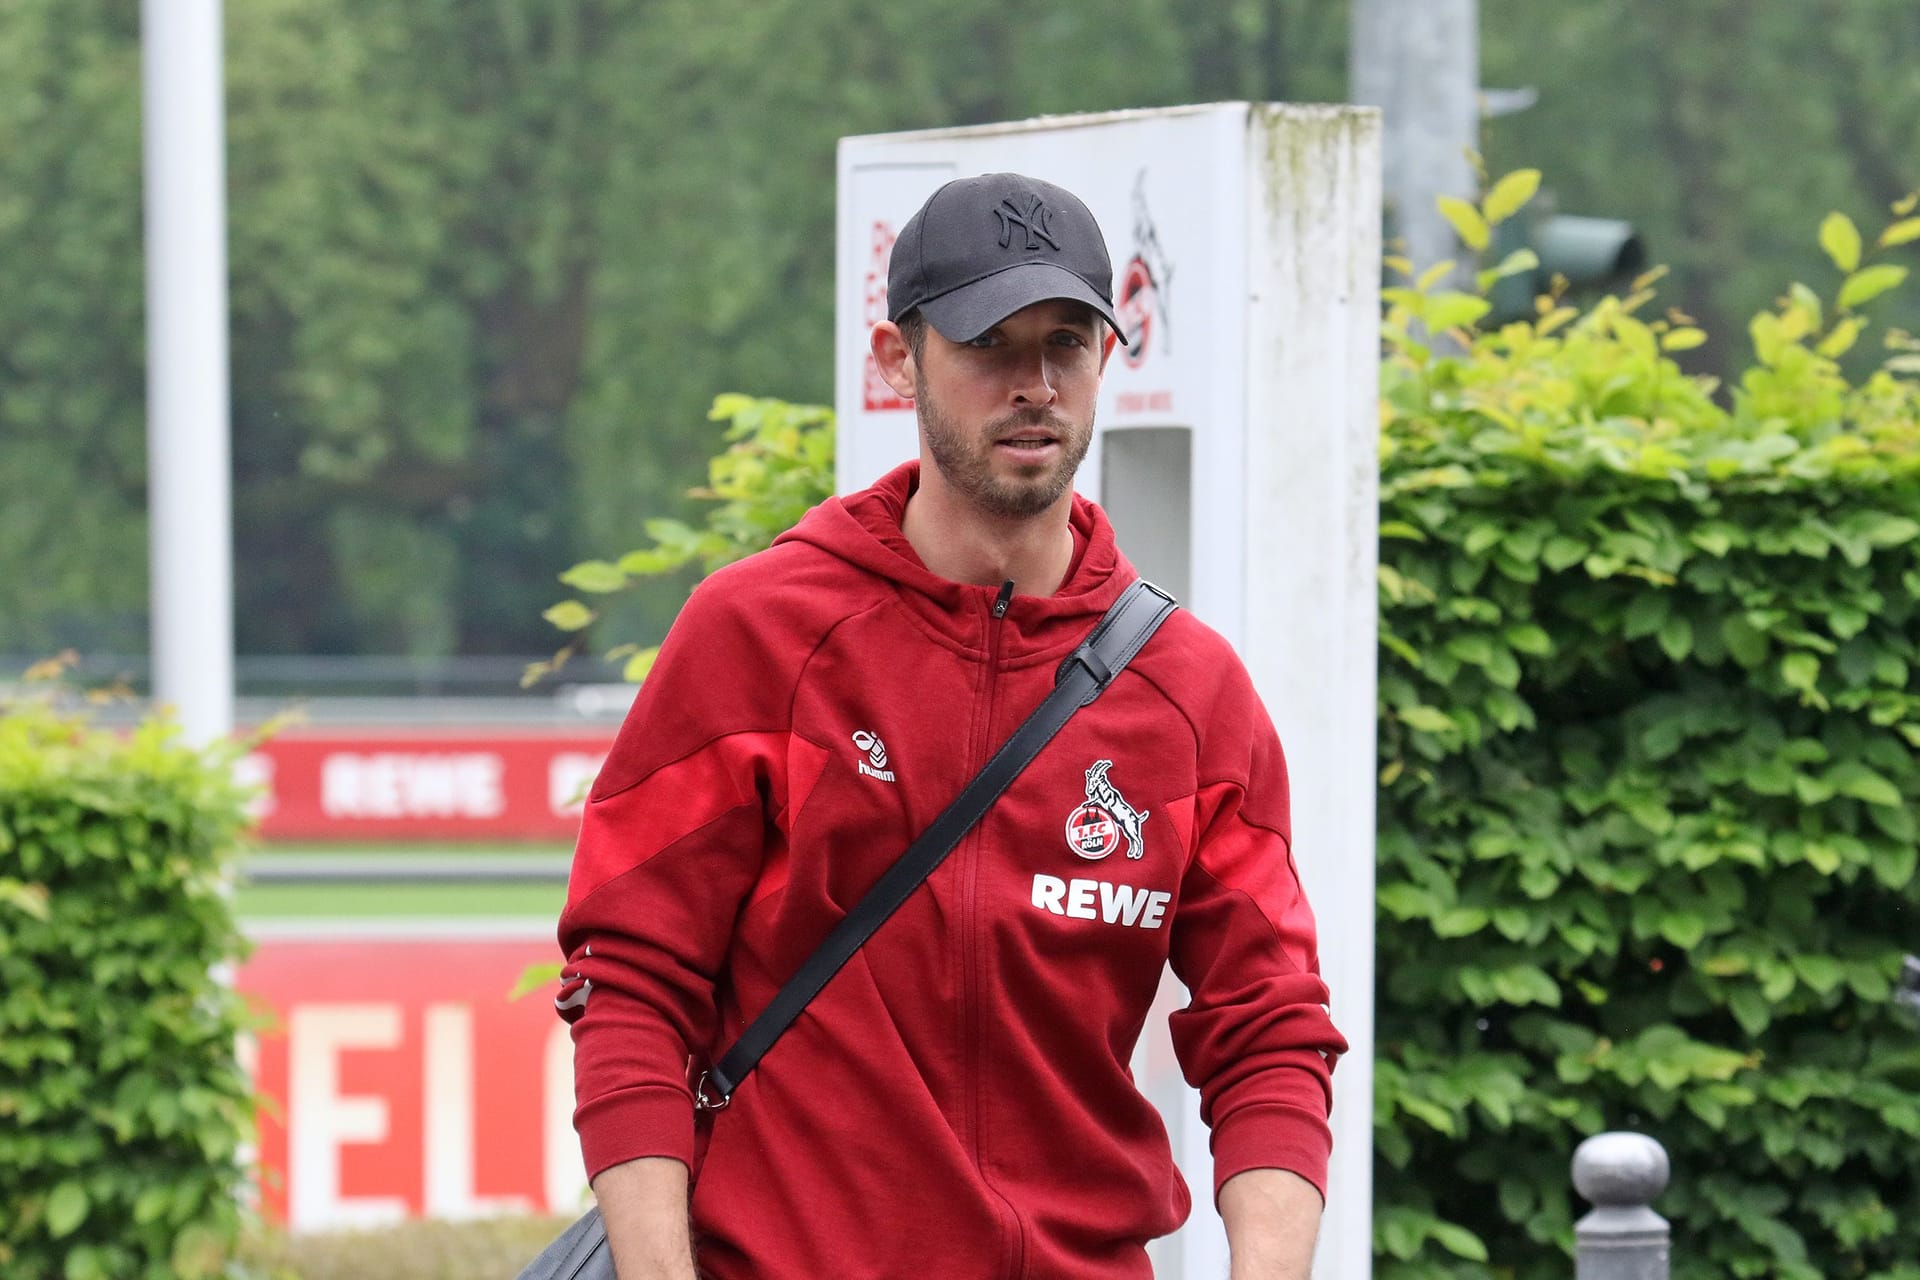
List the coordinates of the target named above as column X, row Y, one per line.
column 491, row 262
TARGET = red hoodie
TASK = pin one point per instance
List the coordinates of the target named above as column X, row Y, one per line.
column 957, row 1101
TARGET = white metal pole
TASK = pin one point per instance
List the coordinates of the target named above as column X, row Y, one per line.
column 1419, row 60
column 189, row 487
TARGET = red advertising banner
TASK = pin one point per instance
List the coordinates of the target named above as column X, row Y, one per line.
column 401, row 1081
column 409, row 785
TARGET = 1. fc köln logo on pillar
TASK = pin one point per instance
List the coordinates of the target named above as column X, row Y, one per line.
column 1095, row 828
column 875, row 395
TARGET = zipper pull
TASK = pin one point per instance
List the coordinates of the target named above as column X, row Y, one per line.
column 1004, row 599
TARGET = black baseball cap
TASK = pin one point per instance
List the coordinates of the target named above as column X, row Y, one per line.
column 982, row 248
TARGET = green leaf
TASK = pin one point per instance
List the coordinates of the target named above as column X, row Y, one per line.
column 1562, row 553
column 533, row 978
column 1799, row 670
column 1530, row 639
column 1459, row 922
column 1519, row 262
column 1482, row 538
column 570, row 615
column 1509, row 195
column 1683, row 929
column 151, row 1204
column 1437, row 1118
column 1864, row 286
column 1882, row 529
column 1465, row 220
column 1646, row 615
column 66, row 1209
column 84, row 1263
column 1459, row 1241
column 649, row 561
column 1901, row 232
column 1455, row 310
column 1427, row 719
column 28, row 899
column 1821, row 973
column 1894, row 863
column 674, row 535
column 596, row 576
column 1407, row 901
column 1676, row 638
column 1841, row 239
column 639, row 665
column 1751, row 1009
column 1747, row 645
column 1862, row 783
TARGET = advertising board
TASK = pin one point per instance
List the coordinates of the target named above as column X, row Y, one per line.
column 400, row 1079
column 370, row 784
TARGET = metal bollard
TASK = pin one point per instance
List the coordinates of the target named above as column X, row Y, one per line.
column 1620, row 1174
column 1906, row 996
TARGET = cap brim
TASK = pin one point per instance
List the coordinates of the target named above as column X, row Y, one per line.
column 963, row 314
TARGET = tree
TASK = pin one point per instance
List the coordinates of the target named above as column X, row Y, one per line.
column 72, row 467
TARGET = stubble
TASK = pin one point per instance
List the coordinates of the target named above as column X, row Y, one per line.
column 966, row 461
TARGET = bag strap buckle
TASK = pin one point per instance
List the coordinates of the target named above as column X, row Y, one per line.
column 701, row 1102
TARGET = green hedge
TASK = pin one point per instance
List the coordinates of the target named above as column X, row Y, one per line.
column 1649, row 778
column 123, row 1109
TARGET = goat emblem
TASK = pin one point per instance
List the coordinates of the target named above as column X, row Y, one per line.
column 1095, row 827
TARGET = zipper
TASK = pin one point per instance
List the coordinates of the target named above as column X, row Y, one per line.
column 971, row 946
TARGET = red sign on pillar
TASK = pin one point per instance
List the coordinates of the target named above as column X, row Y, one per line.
column 403, row 1082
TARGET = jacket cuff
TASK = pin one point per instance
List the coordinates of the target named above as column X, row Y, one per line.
column 1272, row 1137
column 653, row 1120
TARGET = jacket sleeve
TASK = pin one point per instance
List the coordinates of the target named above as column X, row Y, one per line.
column 1255, row 1038
column 673, row 837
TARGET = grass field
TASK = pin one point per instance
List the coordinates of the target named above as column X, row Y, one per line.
column 386, row 849
column 279, row 901
column 287, row 901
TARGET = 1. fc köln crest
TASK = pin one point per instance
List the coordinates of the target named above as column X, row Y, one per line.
column 1094, row 829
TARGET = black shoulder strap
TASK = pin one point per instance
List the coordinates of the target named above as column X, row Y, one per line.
column 1132, row 620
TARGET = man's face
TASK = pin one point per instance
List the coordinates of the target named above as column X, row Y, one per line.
column 1008, row 417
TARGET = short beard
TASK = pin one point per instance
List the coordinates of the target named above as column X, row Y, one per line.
column 970, row 473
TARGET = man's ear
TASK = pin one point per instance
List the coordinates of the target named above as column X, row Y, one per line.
column 1111, row 341
column 894, row 358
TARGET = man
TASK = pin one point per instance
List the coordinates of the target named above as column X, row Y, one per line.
column 957, row 1101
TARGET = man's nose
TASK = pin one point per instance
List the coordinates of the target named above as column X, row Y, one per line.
column 1033, row 380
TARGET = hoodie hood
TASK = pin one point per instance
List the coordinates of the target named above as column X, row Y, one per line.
column 864, row 529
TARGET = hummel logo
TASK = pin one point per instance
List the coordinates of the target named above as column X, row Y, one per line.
column 876, row 753
column 1033, row 221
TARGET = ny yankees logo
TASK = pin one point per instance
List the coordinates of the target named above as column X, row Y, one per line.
column 1033, row 221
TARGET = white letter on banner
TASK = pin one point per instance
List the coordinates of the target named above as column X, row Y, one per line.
column 320, row 1120
column 566, row 1175
column 447, row 1087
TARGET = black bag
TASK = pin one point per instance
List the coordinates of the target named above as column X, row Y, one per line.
column 581, row 1252
column 578, row 1253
